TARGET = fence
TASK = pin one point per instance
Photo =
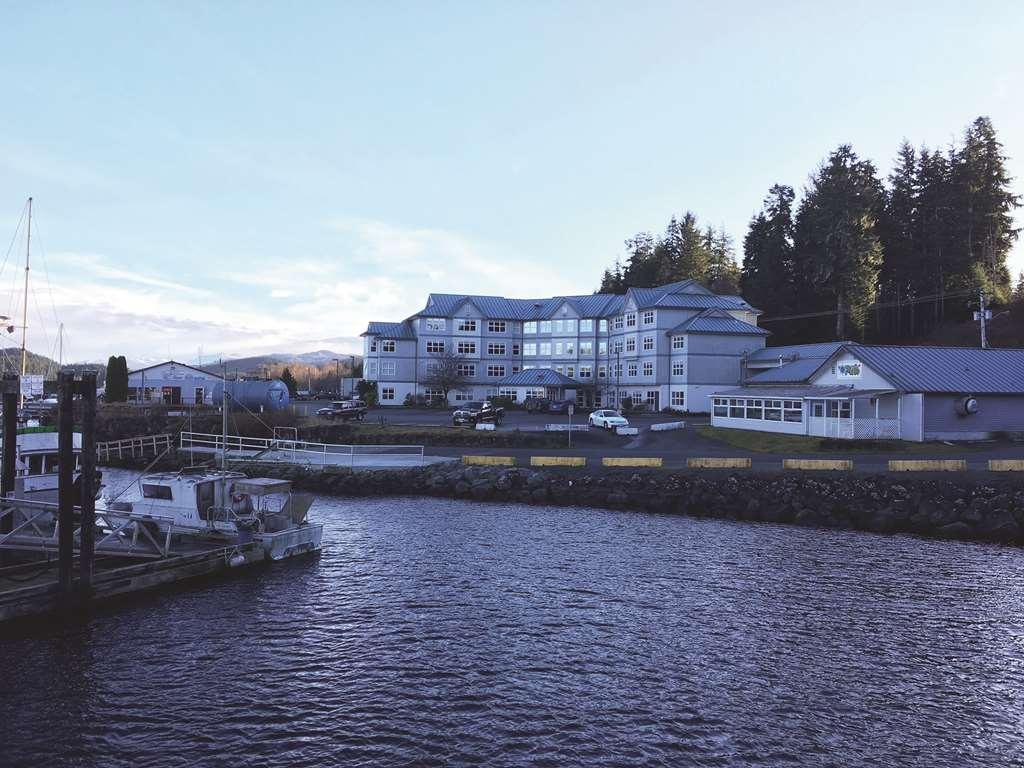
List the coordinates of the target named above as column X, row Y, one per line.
column 294, row 451
column 148, row 445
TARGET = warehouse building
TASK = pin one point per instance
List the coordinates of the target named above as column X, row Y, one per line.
column 172, row 383
column 859, row 391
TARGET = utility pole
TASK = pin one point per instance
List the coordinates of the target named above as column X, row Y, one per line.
column 337, row 375
column 352, row 371
column 983, row 315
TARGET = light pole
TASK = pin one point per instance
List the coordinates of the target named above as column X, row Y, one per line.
column 352, row 371
column 337, row 372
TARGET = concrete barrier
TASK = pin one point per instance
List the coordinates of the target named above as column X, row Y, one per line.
column 715, row 462
column 928, row 465
column 668, row 425
column 485, row 426
column 843, row 465
column 627, row 431
column 558, row 461
column 500, row 461
column 1006, row 465
column 630, row 461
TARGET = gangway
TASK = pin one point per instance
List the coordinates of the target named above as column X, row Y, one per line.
column 290, row 450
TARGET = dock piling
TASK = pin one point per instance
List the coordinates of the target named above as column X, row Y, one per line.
column 65, row 477
column 87, row 539
column 11, row 388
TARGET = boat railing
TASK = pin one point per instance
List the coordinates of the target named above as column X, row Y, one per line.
column 294, row 451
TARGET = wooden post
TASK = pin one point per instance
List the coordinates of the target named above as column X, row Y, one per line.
column 88, row 482
column 11, row 390
column 65, row 476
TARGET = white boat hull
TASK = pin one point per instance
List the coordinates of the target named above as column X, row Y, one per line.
column 291, row 542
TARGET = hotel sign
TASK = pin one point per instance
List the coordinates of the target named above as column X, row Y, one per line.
column 848, row 369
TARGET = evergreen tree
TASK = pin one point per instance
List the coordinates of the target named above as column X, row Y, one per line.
column 723, row 273
column 116, row 386
column 289, row 381
column 836, row 234
column 641, row 267
column 767, row 279
column 901, row 262
column 682, row 253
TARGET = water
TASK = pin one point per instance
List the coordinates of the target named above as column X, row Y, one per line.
column 433, row 632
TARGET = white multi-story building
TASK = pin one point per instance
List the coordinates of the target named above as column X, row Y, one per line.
column 672, row 346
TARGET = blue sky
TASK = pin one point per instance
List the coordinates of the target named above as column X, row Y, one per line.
column 258, row 177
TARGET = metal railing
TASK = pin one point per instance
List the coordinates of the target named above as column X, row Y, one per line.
column 148, row 445
column 293, row 451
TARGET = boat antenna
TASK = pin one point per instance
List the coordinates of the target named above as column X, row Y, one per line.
column 24, row 309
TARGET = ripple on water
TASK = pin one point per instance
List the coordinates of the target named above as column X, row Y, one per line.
column 440, row 633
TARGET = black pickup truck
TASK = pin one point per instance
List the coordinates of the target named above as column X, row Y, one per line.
column 476, row 411
column 344, row 410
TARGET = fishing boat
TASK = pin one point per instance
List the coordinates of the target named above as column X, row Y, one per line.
column 222, row 507
column 36, row 465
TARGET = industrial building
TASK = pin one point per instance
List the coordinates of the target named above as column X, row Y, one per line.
column 172, row 383
column 847, row 390
column 670, row 346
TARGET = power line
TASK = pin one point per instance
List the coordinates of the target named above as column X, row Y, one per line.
column 876, row 305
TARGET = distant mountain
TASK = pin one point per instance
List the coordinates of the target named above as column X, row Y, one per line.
column 254, row 364
column 10, row 362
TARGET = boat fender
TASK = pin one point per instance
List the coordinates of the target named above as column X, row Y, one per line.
column 236, row 560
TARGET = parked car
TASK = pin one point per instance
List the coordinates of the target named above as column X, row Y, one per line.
column 608, row 419
column 344, row 410
column 536, row 404
column 560, row 406
column 477, row 411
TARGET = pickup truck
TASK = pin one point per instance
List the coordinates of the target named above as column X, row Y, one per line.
column 476, row 411
column 344, row 410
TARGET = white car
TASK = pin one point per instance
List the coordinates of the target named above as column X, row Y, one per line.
column 608, row 419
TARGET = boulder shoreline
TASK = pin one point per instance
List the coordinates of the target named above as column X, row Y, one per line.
column 964, row 507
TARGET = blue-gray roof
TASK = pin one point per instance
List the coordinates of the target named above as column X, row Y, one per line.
column 790, row 373
column 538, row 377
column 400, row 331
column 717, row 321
column 799, row 392
column 968, row 370
column 791, row 352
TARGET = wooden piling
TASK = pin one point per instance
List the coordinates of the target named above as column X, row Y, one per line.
column 65, row 477
column 87, row 538
column 11, row 388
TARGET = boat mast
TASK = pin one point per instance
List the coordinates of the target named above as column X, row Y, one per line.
column 24, row 309
column 224, row 415
column 60, row 354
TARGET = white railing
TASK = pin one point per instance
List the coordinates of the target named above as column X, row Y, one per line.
column 293, row 451
column 148, row 445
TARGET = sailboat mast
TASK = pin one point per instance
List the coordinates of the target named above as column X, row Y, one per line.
column 24, row 309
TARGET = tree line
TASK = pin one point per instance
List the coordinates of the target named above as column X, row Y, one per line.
column 858, row 256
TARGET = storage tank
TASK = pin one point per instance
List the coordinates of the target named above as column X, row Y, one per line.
column 257, row 396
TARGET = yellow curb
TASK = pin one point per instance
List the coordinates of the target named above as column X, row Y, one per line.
column 504, row 461
column 928, row 465
column 834, row 464
column 558, row 461
column 631, row 462
column 1006, row 465
column 708, row 462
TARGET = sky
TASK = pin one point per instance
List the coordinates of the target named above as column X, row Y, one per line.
column 226, row 179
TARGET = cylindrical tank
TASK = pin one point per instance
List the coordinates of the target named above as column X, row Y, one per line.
column 257, row 396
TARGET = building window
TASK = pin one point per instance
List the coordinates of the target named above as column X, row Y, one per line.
column 545, row 326
column 387, row 393
column 371, row 369
column 558, row 369
column 465, row 369
column 602, row 326
column 570, row 326
column 839, row 409
column 515, row 369
column 648, row 343
column 631, row 319
column 536, row 392
column 617, row 323
column 678, row 398
column 631, row 344
column 510, row 392
column 462, row 396
column 529, row 349
column 530, row 326
column 373, row 345
column 678, row 369
column 467, row 347
column 435, row 347
column 515, row 350
column 721, row 407
column 735, row 409
column 586, row 348
column 618, row 370
column 387, row 368
column 648, row 318
column 556, row 326
column 652, row 397
column 773, row 410
column 617, row 346
column 585, row 371
column 387, row 345
column 648, row 369
column 433, row 393
column 558, row 347
column 466, row 324
column 755, row 409
column 678, row 342
column 586, row 326
column 602, row 348
column 435, row 323
column 545, row 349
column 496, row 370
column 602, row 371
column 570, row 371
column 793, row 410
column 495, row 326
column 496, row 349
column 631, row 369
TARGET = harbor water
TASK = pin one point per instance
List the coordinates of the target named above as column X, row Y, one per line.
column 432, row 632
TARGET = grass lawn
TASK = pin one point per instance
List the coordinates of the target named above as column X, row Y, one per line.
column 768, row 442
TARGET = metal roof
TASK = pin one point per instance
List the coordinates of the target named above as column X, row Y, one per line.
column 790, row 373
column 969, row 370
column 717, row 321
column 804, row 392
column 770, row 355
column 402, row 331
column 538, row 377
column 175, row 362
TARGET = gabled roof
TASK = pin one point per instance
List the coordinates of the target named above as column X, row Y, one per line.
column 400, row 331
column 717, row 321
column 790, row 373
column 538, row 377
column 771, row 355
column 967, row 370
column 175, row 362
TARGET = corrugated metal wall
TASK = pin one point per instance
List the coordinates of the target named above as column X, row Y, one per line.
column 996, row 413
